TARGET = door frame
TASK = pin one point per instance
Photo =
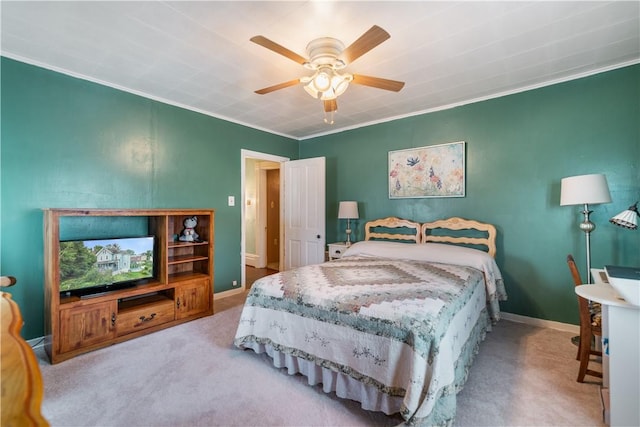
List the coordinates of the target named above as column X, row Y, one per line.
column 244, row 155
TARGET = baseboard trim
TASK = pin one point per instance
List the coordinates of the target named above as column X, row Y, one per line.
column 551, row 324
column 229, row 293
column 251, row 260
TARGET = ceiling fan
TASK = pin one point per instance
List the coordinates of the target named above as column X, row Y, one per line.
column 326, row 58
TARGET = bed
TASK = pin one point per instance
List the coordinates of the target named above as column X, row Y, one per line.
column 394, row 324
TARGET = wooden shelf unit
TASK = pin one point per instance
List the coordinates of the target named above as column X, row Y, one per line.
column 182, row 289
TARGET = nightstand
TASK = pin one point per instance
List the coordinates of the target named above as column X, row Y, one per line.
column 336, row 250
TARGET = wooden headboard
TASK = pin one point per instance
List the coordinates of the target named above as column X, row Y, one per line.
column 456, row 224
column 387, row 225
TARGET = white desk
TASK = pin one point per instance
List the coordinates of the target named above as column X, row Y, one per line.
column 621, row 342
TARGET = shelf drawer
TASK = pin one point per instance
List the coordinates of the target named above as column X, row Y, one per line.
column 143, row 313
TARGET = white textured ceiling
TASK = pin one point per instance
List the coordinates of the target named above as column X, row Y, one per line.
column 198, row 55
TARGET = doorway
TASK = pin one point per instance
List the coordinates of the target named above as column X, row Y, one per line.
column 301, row 228
column 261, row 217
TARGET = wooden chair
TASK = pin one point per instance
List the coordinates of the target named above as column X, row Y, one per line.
column 589, row 327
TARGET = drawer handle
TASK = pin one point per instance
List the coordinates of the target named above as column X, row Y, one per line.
column 337, row 251
column 113, row 319
column 146, row 319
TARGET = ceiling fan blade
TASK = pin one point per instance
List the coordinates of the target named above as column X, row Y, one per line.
column 277, row 87
column 377, row 82
column 370, row 39
column 271, row 45
column 330, row 105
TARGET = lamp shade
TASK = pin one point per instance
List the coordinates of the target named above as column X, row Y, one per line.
column 581, row 189
column 326, row 84
column 627, row 219
column 348, row 210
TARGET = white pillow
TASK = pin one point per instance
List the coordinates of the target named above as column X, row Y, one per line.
column 379, row 248
column 432, row 252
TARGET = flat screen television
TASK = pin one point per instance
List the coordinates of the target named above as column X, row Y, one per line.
column 90, row 267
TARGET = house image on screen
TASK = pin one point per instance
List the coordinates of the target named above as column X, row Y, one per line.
column 116, row 262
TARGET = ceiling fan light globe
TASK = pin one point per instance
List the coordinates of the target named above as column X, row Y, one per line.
column 311, row 90
column 322, row 81
column 339, row 84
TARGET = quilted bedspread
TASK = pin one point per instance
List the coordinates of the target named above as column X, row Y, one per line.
column 408, row 328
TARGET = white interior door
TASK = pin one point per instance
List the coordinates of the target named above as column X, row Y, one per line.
column 303, row 185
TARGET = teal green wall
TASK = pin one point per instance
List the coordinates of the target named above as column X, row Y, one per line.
column 518, row 149
column 71, row 143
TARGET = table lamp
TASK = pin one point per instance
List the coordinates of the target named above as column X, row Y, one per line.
column 627, row 219
column 348, row 210
column 582, row 190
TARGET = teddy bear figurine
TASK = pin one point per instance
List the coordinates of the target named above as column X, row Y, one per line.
column 189, row 232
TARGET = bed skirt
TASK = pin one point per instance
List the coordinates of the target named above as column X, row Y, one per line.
column 370, row 398
column 342, row 385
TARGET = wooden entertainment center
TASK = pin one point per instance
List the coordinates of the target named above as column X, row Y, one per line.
column 182, row 288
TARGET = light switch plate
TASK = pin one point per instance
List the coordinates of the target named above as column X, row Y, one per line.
column 232, row 201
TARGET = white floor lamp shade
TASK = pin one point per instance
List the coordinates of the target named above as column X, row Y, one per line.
column 582, row 190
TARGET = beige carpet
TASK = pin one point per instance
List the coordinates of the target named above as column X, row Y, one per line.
column 191, row 375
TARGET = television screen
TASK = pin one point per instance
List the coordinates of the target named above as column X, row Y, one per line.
column 95, row 266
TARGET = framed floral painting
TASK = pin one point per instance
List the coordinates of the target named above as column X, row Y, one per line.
column 432, row 171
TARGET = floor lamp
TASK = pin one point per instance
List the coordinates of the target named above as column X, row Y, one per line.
column 348, row 210
column 585, row 190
